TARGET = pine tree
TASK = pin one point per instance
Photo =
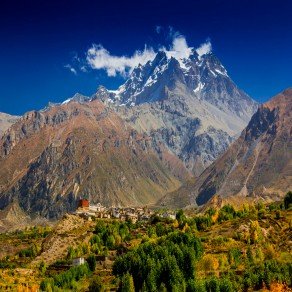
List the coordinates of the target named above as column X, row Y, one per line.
column 127, row 284
column 288, row 200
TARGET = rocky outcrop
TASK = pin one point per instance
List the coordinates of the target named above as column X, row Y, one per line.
column 6, row 121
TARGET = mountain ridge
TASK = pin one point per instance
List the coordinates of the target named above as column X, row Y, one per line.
column 257, row 165
column 181, row 111
column 51, row 158
column 188, row 104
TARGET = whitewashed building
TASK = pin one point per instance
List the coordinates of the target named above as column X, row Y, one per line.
column 78, row 261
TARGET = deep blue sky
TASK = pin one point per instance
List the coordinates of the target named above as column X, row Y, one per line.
column 253, row 39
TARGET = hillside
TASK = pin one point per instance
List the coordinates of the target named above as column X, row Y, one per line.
column 52, row 157
column 13, row 217
column 257, row 165
column 245, row 249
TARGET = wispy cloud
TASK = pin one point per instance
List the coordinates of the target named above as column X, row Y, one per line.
column 172, row 33
column 204, row 48
column 83, row 68
column 100, row 58
column 158, row 28
column 71, row 69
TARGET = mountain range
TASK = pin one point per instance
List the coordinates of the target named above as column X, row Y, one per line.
column 190, row 105
column 258, row 165
column 153, row 139
column 53, row 157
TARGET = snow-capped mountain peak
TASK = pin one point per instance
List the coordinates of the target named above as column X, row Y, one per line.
column 184, row 100
column 194, row 68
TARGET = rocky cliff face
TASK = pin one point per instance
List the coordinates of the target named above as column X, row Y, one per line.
column 257, row 164
column 6, row 121
column 190, row 105
column 51, row 158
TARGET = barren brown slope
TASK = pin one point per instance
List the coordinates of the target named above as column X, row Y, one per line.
column 51, row 158
column 257, row 164
column 13, row 217
column 6, row 121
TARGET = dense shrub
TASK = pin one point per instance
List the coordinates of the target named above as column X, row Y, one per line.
column 180, row 217
column 234, row 256
column 110, row 235
column 227, row 212
column 256, row 277
column 30, row 252
column 259, row 275
column 203, row 222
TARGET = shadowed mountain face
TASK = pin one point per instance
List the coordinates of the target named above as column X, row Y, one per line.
column 258, row 163
column 6, row 121
column 51, row 158
column 190, row 105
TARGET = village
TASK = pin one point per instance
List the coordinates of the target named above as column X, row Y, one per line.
column 86, row 210
column 134, row 214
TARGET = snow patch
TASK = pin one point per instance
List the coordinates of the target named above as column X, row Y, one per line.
column 199, row 87
column 67, row 101
column 214, row 74
column 222, row 72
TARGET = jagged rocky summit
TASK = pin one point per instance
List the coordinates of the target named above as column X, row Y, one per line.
column 190, row 105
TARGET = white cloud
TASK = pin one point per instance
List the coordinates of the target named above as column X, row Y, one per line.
column 100, row 58
column 204, row 48
column 83, row 69
column 68, row 66
column 97, row 57
column 179, row 49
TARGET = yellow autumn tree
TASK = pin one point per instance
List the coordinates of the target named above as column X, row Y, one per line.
column 210, row 263
column 255, row 232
